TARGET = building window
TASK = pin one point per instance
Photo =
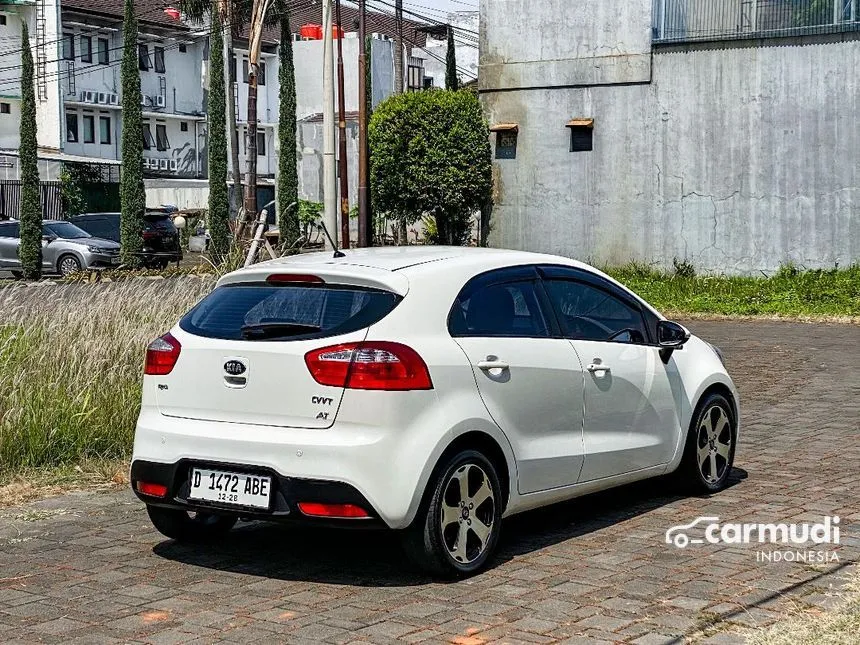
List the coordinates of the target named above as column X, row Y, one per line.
column 86, row 49
column 71, row 127
column 2, row 19
column 162, row 143
column 5, row 108
column 143, row 57
column 245, row 69
column 104, row 51
column 183, row 126
column 581, row 135
column 148, row 142
column 183, row 48
column 506, row 140
column 232, row 69
column 89, row 128
column 261, row 74
column 104, row 129
column 69, row 46
column 159, row 60
column 261, row 144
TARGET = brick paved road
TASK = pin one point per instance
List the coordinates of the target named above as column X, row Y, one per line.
column 89, row 568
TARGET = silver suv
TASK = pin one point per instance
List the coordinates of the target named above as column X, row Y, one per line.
column 65, row 249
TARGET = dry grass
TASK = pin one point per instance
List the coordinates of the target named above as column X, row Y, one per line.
column 839, row 626
column 71, row 358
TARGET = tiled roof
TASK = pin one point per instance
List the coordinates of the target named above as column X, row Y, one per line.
column 148, row 11
column 152, row 12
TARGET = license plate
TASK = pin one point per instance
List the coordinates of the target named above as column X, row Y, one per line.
column 230, row 488
column 114, row 260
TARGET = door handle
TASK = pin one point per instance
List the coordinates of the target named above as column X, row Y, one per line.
column 493, row 365
column 598, row 367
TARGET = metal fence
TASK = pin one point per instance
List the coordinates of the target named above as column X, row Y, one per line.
column 701, row 20
column 10, row 199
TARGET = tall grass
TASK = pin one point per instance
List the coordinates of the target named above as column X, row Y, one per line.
column 71, row 358
column 789, row 292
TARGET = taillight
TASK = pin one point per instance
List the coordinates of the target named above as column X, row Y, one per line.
column 161, row 355
column 373, row 365
column 337, row 511
column 153, row 490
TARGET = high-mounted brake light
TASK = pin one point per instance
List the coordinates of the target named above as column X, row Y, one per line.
column 372, row 365
column 282, row 278
column 337, row 511
column 161, row 355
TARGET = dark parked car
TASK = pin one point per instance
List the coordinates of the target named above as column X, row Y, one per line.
column 161, row 243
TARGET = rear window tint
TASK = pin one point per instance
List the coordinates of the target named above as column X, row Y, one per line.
column 292, row 312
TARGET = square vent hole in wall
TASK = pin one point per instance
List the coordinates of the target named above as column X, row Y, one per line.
column 581, row 135
column 506, row 140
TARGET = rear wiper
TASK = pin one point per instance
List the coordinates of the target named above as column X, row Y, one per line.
column 262, row 331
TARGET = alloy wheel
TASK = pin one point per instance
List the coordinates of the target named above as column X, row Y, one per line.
column 468, row 509
column 69, row 265
column 714, row 444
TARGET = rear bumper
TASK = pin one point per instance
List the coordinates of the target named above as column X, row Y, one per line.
column 287, row 492
column 370, row 462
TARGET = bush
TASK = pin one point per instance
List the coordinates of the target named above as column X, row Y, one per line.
column 430, row 155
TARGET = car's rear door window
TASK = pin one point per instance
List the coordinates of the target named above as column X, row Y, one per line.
column 510, row 309
column 263, row 312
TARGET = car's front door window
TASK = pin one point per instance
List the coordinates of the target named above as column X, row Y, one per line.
column 589, row 313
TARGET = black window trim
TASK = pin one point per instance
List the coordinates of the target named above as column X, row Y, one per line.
column 502, row 276
column 587, row 278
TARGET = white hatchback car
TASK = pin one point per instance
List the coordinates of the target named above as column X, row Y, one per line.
column 431, row 390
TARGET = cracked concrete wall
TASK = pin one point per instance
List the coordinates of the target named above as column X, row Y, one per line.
column 736, row 156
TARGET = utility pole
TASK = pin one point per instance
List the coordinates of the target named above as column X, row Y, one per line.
column 329, row 161
column 341, row 104
column 230, row 85
column 398, row 47
column 255, row 41
column 363, row 205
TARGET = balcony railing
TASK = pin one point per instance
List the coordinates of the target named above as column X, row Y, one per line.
column 677, row 21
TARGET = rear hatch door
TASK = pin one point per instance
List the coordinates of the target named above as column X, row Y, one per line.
column 243, row 352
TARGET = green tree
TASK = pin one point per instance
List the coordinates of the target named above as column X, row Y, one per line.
column 132, row 193
column 219, row 199
column 452, row 82
column 30, row 252
column 288, row 177
column 430, row 155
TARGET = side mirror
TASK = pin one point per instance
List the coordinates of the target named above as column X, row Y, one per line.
column 671, row 337
column 48, row 238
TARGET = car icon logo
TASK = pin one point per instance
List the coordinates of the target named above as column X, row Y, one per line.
column 677, row 534
column 235, row 368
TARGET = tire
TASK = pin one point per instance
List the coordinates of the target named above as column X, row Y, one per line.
column 68, row 264
column 183, row 526
column 433, row 540
column 18, row 275
column 709, row 453
column 161, row 265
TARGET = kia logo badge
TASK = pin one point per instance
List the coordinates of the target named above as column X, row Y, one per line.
column 234, row 368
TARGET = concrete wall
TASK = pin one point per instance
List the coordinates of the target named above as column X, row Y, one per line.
column 736, row 157
column 467, row 56
column 182, row 193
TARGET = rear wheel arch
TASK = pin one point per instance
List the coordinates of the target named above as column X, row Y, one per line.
column 485, row 444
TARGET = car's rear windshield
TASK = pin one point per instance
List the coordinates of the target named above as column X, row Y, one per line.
column 264, row 312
